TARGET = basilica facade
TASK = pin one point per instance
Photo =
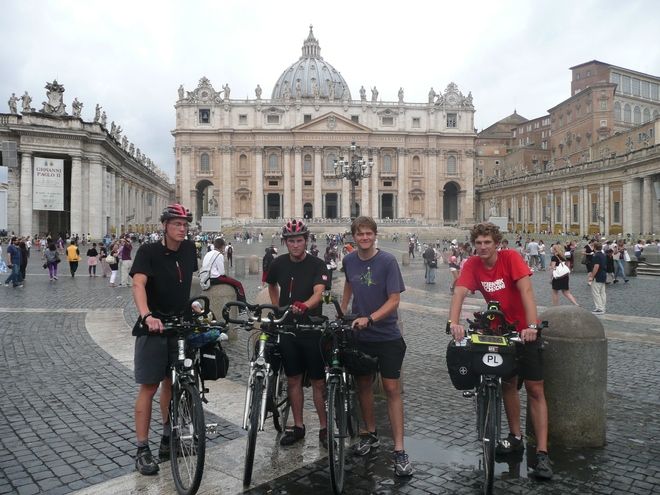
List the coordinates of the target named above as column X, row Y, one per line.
column 269, row 158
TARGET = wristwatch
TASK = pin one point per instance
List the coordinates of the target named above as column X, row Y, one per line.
column 533, row 326
column 370, row 319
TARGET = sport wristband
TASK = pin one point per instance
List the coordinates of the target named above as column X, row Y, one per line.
column 144, row 318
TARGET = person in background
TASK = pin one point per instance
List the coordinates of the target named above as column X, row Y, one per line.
column 92, row 260
column 598, row 279
column 559, row 284
column 125, row 262
column 73, row 257
column 620, row 257
column 52, row 258
column 25, row 254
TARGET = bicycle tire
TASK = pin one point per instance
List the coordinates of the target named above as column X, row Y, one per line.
column 336, row 433
column 253, row 428
column 188, row 439
column 280, row 404
column 489, row 439
column 353, row 412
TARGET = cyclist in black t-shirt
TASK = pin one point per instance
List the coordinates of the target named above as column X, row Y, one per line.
column 299, row 279
column 162, row 277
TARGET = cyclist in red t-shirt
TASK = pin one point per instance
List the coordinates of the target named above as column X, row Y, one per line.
column 503, row 276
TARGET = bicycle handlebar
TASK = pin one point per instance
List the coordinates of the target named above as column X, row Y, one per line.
column 256, row 316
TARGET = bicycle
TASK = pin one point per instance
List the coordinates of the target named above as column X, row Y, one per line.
column 192, row 330
column 341, row 395
column 266, row 389
column 479, row 362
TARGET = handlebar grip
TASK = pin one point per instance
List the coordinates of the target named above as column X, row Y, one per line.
column 227, row 308
column 448, row 328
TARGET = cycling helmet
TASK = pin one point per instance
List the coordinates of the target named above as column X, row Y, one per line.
column 294, row 227
column 175, row 210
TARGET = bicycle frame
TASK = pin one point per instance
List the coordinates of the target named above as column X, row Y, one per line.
column 259, row 366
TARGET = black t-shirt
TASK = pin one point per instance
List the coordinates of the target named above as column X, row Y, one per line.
column 169, row 277
column 297, row 280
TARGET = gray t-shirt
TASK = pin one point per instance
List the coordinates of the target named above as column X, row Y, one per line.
column 372, row 282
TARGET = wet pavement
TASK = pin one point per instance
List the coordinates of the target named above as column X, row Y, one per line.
column 66, row 417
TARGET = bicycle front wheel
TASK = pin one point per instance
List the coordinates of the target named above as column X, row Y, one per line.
column 336, row 433
column 280, row 404
column 253, row 427
column 188, row 439
column 353, row 415
column 489, row 440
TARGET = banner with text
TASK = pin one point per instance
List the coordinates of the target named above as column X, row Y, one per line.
column 48, row 184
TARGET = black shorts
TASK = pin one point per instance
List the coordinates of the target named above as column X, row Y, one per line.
column 530, row 362
column 389, row 353
column 302, row 353
column 154, row 354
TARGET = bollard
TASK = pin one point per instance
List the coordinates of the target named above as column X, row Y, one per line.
column 218, row 296
column 405, row 259
column 630, row 268
column 239, row 267
column 253, row 265
column 575, row 371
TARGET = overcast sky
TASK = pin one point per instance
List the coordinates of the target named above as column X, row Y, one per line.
column 131, row 56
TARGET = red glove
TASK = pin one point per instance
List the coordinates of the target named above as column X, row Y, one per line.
column 300, row 306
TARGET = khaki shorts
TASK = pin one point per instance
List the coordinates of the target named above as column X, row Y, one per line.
column 154, row 354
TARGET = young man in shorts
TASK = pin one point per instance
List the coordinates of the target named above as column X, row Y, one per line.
column 503, row 276
column 374, row 281
column 299, row 279
column 162, row 276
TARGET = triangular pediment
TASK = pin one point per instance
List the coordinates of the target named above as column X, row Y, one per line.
column 331, row 122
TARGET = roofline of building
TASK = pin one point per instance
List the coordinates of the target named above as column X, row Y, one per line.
column 576, row 95
column 611, row 66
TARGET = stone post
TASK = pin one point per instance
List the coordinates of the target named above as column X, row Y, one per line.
column 239, row 267
column 575, row 371
column 253, row 265
column 405, row 259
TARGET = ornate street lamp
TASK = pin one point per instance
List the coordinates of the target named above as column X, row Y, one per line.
column 354, row 169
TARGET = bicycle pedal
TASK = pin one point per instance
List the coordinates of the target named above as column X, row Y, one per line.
column 469, row 394
column 206, row 390
column 212, row 429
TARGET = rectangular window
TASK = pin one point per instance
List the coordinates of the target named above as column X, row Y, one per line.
column 519, row 214
column 273, row 119
column 625, row 84
column 603, row 104
column 655, row 91
column 558, row 211
column 416, row 122
column 355, row 118
column 575, row 213
column 616, row 212
column 204, row 116
column 242, row 119
column 603, row 123
column 273, row 183
column 387, row 183
column 645, row 89
column 452, row 120
column 387, row 121
column 308, row 182
column 616, row 79
column 594, row 212
column 307, row 118
column 635, row 87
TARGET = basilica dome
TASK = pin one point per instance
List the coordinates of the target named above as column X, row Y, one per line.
column 311, row 76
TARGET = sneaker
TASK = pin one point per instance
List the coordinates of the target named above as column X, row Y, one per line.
column 615, row 281
column 145, row 463
column 542, row 470
column 402, row 466
column 598, row 311
column 292, row 436
column 164, row 449
column 509, row 445
column 323, row 437
column 367, row 442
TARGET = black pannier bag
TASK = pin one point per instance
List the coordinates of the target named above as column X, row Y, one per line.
column 214, row 362
column 459, row 366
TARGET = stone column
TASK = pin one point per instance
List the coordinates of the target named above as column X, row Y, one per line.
column 647, row 204
column 286, row 151
column 297, row 183
column 364, row 197
column 25, row 204
column 432, row 186
column 76, row 196
column 258, row 183
column 586, row 206
column 318, row 180
column 375, row 198
column 96, row 199
column 187, row 171
column 630, row 207
column 605, row 189
column 466, row 169
column 441, row 206
column 227, row 187
column 402, row 182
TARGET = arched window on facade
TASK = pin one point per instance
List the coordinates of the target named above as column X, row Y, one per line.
column 204, row 163
column 656, row 114
column 244, row 204
column 637, row 115
column 646, row 115
column 307, row 164
column 273, row 163
column 243, row 163
column 451, row 165
column 627, row 113
column 617, row 111
column 416, row 165
column 330, row 163
column 387, row 164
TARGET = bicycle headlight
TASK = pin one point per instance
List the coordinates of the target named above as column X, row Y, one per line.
column 187, row 363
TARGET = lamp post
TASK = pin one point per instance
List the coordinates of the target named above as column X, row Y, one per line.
column 354, row 169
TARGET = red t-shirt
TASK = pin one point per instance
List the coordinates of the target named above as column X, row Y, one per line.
column 499, row 283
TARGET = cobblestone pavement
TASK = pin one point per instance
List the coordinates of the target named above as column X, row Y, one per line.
column 66, row 417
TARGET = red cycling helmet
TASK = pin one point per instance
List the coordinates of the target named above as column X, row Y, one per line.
column 295, row 227
column 176, row 210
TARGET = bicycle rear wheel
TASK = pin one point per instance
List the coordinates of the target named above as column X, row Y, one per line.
column 188, row 439
column 336, row 433
column 253, row 427
column 280, row 402
column 489, row 440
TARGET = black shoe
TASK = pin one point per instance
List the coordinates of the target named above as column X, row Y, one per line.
column 542, row 470
column 509, row 445
column 323, row 437
column 145, row 463
column 292, row 436
column 164, row 449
